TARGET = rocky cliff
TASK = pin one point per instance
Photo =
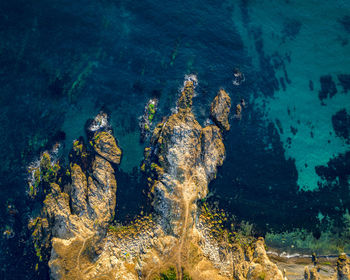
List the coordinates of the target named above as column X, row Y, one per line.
column 183, row 239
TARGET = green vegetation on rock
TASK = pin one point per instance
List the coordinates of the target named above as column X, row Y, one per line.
column 77, row 147
column 46, row 173
column 40, row 237
column 185, row 275
column 170, row 274
column 134, row 228
column 151, row 108
column 218, row 222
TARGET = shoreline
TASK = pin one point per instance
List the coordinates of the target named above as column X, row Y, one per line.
column 296, row 255
column 293, row 265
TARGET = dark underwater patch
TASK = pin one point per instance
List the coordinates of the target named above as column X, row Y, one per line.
column 244, row 11
column 328, row 87
column 293, row 130
column 266, row 197
column 291, row 28
column 283, row 84
column 132, row 190
column 59, row 136
column 279, row 125
column 311, row 85
column 334, row 191
column 341, row 124
column 266, row 79
column 345, row 22
column 57, row 86
column 271, row 199
column 156, row 93
column 344, row 80
column 337, row 167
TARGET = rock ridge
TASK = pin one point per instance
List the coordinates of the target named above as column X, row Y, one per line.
column 182, row 239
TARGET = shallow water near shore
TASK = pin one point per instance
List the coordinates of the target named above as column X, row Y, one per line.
column 287, row 168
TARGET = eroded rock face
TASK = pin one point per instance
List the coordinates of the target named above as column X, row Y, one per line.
column 220, row 109
column 213, row 148
column 181, row 161
column 105, row 145
column 93, row 205
column 261, row 267
column 79, row 213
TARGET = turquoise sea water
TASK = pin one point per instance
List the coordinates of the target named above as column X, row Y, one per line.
column 288, row 160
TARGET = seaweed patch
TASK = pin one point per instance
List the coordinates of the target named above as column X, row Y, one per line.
column 328, row 88
column 291, row 28
column 341, row 125
column 344, row 80
column 345, row 22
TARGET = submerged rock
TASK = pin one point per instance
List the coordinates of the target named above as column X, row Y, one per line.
column 328, row 87
column 341, row 124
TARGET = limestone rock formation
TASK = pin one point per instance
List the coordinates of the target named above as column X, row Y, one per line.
column 77, row 229
column 181, row 238
column 220, row 109
column 262, row 267
column 213, row 148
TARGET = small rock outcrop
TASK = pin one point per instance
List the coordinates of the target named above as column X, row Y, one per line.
column 343, row 268
column 311, row 274
column 220, row 109
column 261, row 267
column 105, row 145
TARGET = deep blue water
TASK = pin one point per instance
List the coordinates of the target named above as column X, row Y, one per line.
column 288, row 159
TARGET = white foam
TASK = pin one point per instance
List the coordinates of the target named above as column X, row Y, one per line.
column 191, row 77
column 100, row 121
